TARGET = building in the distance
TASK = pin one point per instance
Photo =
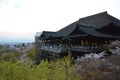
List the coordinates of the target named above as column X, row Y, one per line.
column 37, row 39
column 83, row 36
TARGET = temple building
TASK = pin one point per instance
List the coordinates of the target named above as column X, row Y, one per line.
column 85, row 35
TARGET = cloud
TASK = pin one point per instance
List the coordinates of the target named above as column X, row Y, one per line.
column 18, row 5
column 11, row 4
column 30, row 16
column 3, row 1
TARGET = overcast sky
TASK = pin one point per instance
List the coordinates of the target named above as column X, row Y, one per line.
column 23, row 18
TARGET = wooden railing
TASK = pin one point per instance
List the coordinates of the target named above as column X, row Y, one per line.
column 61, row 49
column 55, row 49
column 86, row 49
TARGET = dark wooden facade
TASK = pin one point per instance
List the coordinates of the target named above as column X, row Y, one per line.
column 83, row 36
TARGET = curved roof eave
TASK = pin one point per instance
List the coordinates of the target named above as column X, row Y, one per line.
column 93, row 32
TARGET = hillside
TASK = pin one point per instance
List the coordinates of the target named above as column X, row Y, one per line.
column 104, row 68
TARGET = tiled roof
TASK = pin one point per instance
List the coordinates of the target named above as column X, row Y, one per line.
column 47, row 34
column 91, row 25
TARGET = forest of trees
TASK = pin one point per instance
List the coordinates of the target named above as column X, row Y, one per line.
column 61, row 69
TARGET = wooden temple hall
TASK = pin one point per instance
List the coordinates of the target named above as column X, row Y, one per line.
column 83, row 36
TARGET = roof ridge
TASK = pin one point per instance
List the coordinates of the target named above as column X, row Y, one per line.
column 105, row 12
column 48, row 31
column 69, row 25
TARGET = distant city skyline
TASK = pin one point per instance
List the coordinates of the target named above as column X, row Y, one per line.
column 23, row 18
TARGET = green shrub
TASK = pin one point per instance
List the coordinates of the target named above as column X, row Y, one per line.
column 61, row 69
